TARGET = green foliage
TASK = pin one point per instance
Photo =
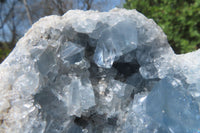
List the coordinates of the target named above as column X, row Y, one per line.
column 179, row 19
column 4, row 51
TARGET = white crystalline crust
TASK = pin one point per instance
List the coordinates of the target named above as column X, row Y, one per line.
column 98, row 72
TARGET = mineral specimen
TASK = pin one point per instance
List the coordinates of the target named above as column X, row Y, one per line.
column 99, row 72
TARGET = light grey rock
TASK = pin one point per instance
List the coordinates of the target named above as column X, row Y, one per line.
column 98, row 72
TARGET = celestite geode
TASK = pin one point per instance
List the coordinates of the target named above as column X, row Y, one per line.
column 99, row 72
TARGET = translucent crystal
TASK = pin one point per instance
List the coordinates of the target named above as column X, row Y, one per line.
column 71, row 53
column 74, row 101
column 46, row 61
column 79, row 96
column 114, row 42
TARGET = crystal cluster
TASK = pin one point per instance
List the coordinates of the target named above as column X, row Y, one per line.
column 99, row 72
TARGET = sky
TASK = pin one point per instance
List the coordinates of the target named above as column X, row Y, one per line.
column 113, row 4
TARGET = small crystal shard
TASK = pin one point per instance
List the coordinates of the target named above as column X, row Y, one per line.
column 71, row 53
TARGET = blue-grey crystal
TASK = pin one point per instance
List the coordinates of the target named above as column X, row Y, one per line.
column 114, row 42
column 170, row 105
column 71, row 53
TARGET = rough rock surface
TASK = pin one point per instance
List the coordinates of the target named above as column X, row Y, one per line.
column 99, row 72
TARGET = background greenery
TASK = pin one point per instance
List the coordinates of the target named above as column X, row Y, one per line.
column 180, row 20
column 4, row 50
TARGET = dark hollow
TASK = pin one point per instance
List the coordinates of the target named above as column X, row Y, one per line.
column 127, row 69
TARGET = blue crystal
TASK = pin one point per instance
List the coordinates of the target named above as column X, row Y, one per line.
column 114, row 42
column 170, row 105
column 71, row 53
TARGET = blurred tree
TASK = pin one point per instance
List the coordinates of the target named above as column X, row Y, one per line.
column 8, row 25
column 28, row 12
column 2, row 1
column 178, row 18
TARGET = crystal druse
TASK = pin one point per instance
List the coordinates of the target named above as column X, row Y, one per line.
column 99, row 72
